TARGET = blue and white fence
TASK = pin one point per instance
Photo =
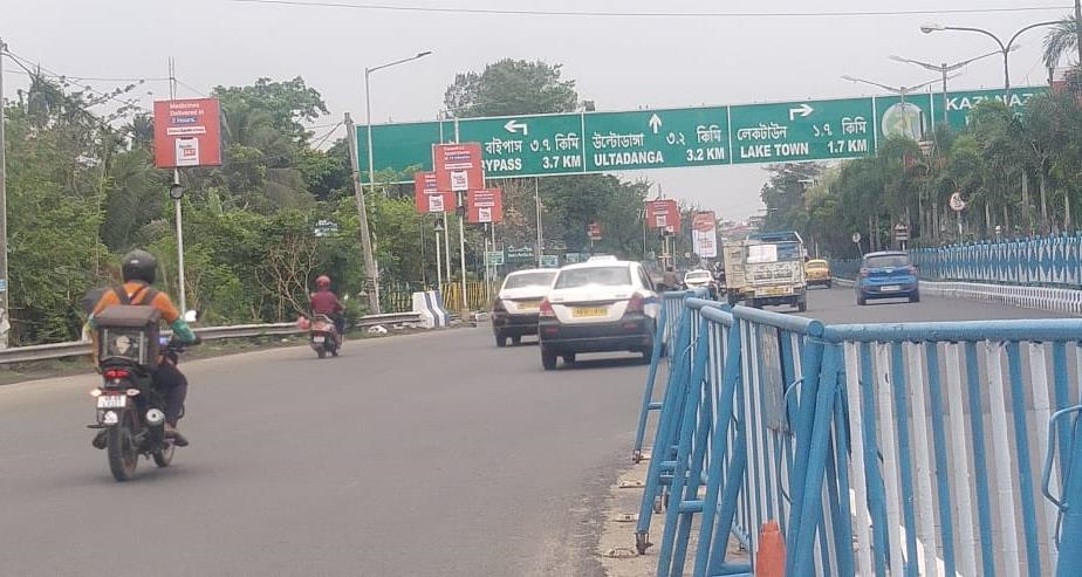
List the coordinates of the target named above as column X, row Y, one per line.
column 900, row 449
column 1045, row 261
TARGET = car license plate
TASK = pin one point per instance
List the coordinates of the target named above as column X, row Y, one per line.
column 588, row 312
column 112, row 401
column 890, row 288
column 318, row 339
column 529, row 305
column 776, row 291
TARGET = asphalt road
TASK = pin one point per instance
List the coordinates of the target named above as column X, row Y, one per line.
column 424, row 455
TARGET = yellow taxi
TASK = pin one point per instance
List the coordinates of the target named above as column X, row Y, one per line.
column 817, row 272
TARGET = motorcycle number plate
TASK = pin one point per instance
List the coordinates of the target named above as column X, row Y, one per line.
column 318, row 339
column 112, row 401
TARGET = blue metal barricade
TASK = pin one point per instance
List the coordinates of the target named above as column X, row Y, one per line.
column 672, row 307
column 900, row 449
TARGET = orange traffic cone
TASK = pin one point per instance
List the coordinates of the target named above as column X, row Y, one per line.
column 770, row 559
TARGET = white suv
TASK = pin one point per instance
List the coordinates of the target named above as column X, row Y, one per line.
column 598, row 306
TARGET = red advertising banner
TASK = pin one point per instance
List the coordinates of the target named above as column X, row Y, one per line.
column 187, row 133
column 458, row 167
column 428, row 197
column 704, row 234
column 663, row 215
column 484, row 206
column 593, row 230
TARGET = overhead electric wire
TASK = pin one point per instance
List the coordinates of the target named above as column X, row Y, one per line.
column 611, row 14
column 23, row 62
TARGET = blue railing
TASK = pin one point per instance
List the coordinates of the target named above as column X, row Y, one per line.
column 901, row 448
column 1049, row 261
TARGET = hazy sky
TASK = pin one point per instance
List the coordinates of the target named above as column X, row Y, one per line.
column 619, row 62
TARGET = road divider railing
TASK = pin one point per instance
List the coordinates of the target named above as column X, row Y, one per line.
column 909, row 448
column 35, row 353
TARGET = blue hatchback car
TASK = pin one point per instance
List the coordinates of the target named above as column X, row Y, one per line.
column 886, row 275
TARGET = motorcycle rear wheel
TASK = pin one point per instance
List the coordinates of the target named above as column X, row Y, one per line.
column 123, row 454
column 164, row 455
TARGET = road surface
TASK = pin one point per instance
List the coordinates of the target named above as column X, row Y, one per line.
column 434, row 454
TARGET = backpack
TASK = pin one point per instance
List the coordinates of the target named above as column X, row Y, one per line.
column 129, row 331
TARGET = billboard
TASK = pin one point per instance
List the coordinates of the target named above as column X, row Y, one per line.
column 458, row 167
column 187, row 133
column 427, row 197
column 704, row 234
column 663, row 215
column 484, row 206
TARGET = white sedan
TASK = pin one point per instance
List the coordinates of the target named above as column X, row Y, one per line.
column 598, row 306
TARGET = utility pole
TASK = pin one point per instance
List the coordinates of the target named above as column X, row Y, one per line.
column 5, row 325
column 370, row 273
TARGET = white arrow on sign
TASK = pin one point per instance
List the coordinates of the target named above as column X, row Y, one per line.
column 803, row 111
column 655, row 123
column 513, row 127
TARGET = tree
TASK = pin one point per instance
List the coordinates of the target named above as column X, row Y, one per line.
column 509, row 87
column 286, row 104
column 1061, row 40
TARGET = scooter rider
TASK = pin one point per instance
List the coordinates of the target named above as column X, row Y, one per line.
column 325, row 302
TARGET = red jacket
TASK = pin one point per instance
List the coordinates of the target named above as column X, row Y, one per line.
column 325, row 303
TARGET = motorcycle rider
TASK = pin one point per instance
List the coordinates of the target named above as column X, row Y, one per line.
column 669, row 279
column 325, row 302
column 138, row 269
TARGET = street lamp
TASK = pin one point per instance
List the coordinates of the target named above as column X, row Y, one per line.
column 371, row 270
column 902, row 92
column 1004, row 49
column 945, row 68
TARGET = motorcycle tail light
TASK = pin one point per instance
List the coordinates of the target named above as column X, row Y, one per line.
column 117, row 373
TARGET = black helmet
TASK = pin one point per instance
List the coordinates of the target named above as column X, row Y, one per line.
column 139, row 265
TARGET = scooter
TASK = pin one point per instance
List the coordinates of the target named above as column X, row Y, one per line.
column 323, row 336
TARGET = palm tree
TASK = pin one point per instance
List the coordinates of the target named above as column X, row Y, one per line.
column 1061, row 40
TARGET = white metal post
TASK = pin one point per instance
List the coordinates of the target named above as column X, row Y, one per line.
column 180, row 246
column 439, row 265
column 462, row 234
column 540, row 229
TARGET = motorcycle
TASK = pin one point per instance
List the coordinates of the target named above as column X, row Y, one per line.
column 323, row 336
column 132, row 411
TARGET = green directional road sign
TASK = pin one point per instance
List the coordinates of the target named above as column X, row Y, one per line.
column 579, row 143
column 961, row 104
column 536, row 145
column 398, row 146
column 656, row 139
column 793, row 131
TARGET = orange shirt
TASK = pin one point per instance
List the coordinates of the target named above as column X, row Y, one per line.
column 161, row 301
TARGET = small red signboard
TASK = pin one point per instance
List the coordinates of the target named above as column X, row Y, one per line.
column 593, row 230
column 663, row 215
column 187, row 133
column 428, row 197
column 458, row 167
column 484, row 206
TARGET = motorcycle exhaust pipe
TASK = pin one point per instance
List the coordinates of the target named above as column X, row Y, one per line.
column 155, row 417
